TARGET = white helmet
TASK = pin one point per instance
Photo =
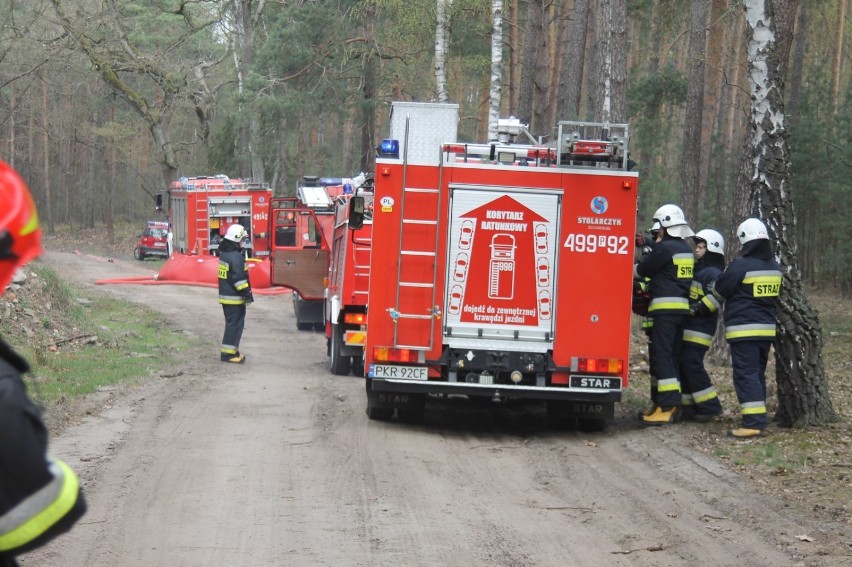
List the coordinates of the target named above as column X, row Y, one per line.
column 235, row 233
column 671, row 217
column 752, row 229
column 714, row 240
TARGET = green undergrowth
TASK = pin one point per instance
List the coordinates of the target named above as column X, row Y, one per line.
column 81, row 342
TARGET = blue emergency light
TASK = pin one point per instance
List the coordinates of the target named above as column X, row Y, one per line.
column 389, row 148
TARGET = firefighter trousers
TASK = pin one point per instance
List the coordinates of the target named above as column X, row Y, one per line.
column 666, row 336
column 698, row 390
column 235, row 319
column 748, row 359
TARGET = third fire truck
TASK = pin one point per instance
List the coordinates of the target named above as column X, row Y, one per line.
column 506, row 267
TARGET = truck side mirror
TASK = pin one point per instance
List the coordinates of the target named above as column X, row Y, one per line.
column 356, row 213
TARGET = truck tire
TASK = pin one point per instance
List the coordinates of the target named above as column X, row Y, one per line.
column 358, row 365
column 137, row 253
column 337, row 363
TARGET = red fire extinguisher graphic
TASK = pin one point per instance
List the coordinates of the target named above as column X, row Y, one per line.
column 501, row 275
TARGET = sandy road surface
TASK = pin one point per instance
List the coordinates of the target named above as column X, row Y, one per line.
column 275, row 463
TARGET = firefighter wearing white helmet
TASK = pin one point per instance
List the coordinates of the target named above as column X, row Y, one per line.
column 699, row 397
column 234, row 292
column 669, row 267
column 40, row 497
column 750, row 287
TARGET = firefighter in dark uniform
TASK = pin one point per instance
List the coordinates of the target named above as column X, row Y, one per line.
column 669, row 266
column 234, row 292
column 641, row 298
column 700, row 399
column 750, row 287
column 40, row 497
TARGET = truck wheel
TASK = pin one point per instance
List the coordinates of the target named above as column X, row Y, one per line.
column 137, row 253
column 337, row 363
column 358, row 365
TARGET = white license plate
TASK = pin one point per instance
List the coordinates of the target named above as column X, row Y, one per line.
column 159, row 245
column 399, row 372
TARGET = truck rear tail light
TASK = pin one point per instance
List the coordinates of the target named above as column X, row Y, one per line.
column 355, row 318
column 387, row 354
column 597, row 365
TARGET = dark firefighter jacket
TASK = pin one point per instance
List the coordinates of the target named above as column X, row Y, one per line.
column 750, row 287
column 40, row 498
column 669, row 265
column 699, row 330
column 234, row 286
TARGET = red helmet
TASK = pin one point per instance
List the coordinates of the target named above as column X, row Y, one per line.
column 20, row 233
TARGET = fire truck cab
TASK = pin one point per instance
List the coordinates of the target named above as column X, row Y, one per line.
column 302, row 228
column 506, row 267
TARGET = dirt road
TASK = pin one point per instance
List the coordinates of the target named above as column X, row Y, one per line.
column 276, row 463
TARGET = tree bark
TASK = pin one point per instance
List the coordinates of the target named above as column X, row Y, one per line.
column 531, row 60
column 690, row 162
column 838, row 55
column 571, row 78
column 803, row 397
column 495, row 90
column 442, row 40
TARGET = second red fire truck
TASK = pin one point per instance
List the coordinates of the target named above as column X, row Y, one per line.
column 506, row 267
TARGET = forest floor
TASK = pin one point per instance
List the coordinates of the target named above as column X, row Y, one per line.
column 808, row 470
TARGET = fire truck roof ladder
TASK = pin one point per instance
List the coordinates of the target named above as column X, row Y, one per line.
column 429, row 254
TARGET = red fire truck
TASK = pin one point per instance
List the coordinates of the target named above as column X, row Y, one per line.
column 506, row 267
column 348, row 284
column 202, row 209
column 303, row 227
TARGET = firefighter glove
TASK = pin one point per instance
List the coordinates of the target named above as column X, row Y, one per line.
column 698, row 309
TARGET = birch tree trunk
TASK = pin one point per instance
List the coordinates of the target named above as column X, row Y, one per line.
column 803, row 397
column 496, row 86
column 442, row 38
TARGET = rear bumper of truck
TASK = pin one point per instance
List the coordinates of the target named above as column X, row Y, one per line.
column 521, row 392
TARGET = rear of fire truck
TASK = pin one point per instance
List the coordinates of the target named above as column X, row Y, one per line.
column 506, row 268
column 348, row 284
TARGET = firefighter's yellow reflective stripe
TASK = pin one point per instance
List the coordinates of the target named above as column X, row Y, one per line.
column 711, row 302
column 752, row 330
column 685, row 263
column 704, row 395
column 38, row 512
column 668, row 385
column 686, row 399
column 647, row 323
column 679, row 303
column 232, row 299
column 241, row 285
column 228, row 349
column 697, row 338
column 696, row 290
column 223, row 270
column 766, row 283
column 753, row 408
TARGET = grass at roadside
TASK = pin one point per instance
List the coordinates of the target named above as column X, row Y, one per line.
column 78, row 343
